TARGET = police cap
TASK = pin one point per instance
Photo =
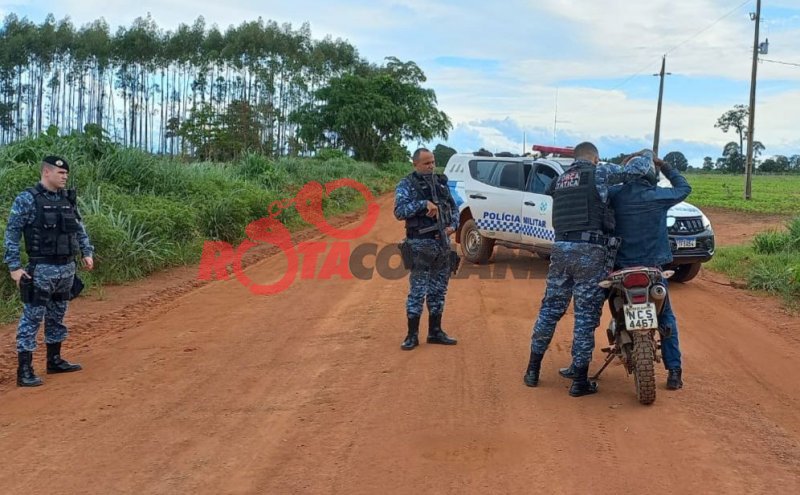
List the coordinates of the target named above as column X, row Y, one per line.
column 56, row 162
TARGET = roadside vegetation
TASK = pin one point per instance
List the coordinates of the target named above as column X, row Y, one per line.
column 145, row 213
column 771, row 262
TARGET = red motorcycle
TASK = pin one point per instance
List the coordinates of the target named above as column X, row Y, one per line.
column 636, row 299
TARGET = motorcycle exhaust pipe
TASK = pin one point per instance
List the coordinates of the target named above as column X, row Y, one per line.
column 658, row 292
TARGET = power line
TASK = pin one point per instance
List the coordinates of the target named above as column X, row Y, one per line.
column 708, row 27
column 683, row 43
column 779, row 62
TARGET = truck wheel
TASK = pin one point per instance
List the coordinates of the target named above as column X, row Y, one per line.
column 475, row 247
column 684, row 273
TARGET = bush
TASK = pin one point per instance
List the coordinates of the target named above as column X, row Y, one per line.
column 144, row 213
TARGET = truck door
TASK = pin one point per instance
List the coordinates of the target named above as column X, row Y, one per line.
column 537, row 207
column 501, row 216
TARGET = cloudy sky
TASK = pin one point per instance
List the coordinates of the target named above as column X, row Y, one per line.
column 546, row 71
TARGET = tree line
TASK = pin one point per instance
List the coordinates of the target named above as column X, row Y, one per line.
column 734, row 155
column 202, row 92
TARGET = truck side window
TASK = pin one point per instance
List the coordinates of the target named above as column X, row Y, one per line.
column 481, row 170
column 508, row 175
column 543, row 176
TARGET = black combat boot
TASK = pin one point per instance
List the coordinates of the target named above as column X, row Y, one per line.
column 568, row 373
column 531, row 377
column 581, row 385
column 412, row 339
column 435, row 333
column 674, row 381
column 54, row 362
column 25, row 375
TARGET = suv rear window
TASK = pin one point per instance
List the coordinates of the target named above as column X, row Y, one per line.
column 481, row 170
column 500, row 173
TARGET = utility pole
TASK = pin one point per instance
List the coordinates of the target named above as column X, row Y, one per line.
column 658, row 110
column 748, row 170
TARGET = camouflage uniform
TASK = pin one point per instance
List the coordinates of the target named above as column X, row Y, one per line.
column 47, row 278
column 575, row 270
column 427, row 284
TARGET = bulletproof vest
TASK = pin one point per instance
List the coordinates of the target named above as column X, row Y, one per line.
column 422, row 186
column 576, row 203
column 53, row 233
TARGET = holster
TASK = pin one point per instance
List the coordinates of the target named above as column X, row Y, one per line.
column 77, row 287
column 406, row 254
column 27, row 291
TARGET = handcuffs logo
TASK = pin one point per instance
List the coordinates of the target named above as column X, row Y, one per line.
column 217, row 256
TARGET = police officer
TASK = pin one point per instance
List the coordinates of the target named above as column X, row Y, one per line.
column 640, row 208
column 583, row 225
column 420, row 198
column 47, row 216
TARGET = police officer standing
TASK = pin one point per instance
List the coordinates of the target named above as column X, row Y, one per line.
column 47, row 216
column 578, row 261
column 420, row 199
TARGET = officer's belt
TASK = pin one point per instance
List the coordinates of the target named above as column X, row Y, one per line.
column 588, row 237
column 411, row 234
column 51, row 260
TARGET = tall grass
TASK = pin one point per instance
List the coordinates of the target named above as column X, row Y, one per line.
column 771, row 263
column 144, row 213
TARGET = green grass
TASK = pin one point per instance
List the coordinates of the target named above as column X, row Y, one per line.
column 145, row 213
column 771, row 263
column 768, row 193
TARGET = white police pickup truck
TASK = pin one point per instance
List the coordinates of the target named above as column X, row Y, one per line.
column 501, row 201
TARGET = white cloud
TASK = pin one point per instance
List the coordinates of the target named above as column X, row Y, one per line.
column 538, row 46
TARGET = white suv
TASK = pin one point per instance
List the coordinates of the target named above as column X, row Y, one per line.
column 501, row 201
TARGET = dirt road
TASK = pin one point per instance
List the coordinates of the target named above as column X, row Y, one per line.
column 195, row 387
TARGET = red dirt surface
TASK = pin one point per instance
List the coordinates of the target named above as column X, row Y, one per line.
column 201, row 387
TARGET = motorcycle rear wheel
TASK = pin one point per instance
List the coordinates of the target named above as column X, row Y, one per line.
column 644, row 376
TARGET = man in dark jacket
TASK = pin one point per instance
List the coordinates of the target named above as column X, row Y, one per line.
column 640, row 210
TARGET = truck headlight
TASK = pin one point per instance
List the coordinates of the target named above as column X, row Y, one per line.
column 706, row 222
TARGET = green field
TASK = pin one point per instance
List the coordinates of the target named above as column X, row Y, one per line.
column 771, row 263
column 769, row 193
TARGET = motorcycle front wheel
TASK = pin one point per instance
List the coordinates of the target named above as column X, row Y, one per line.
column 644, row 376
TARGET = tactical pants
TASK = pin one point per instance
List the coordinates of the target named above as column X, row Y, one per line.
column 575, row 270
column 428, row 284
column 48, row 280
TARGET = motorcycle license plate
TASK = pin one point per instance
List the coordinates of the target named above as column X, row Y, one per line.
column 686, row 242
column 640, row 316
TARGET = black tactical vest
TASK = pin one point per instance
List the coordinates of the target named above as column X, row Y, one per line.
column 422, row 186
column 576, row 203
column 52, row 237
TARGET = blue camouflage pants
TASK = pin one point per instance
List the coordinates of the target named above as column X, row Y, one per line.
column 428, row 283
column 670, row 346
column 48, row 280
column 575, row 270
